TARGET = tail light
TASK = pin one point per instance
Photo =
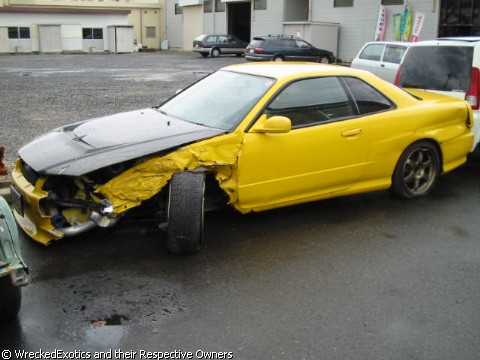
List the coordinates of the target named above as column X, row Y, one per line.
column 474, row 92
column 259, row 50
column 397, row 77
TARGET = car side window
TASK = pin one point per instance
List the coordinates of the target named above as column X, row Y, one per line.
column 368, row 99
column 302, row 44
column 222, row 39
column 212, row 39
column 372, row 52
column 312, row 101
column 394, row 54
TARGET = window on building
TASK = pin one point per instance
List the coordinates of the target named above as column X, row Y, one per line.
column 260, row 5
column 178, row 9
column 207, row 6
column 459, row 18
column 342, row 3
column 150, row 31
column 92, row 33
column 219, row 6
column 19, row 32
column 392, row 2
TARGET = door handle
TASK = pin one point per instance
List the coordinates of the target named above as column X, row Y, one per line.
column 352, row 132
column 382, row 65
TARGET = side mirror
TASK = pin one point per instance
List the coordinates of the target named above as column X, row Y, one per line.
column 272, row 125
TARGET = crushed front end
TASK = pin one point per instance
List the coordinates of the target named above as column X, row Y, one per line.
column 51, row 207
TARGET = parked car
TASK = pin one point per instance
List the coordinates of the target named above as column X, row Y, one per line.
column 258, row 136
column 382, row 58
column 215, row 45
column 285, row 48
column 13, row 270
column 448, row 66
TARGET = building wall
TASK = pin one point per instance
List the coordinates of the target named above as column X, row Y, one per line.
column 357, row 23
column 143, row 14
column 268, row 21
column 192, row 16
column 173, row 26
column 143, row 18
column 215, row 23
column 69, row 21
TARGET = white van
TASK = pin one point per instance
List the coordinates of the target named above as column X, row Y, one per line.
column 448, row 66
column 381, row 58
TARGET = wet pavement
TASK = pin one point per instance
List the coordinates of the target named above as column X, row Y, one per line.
column 361, row 277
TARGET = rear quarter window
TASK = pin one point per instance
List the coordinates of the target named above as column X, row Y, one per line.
column 372, row 52
column 443, row 68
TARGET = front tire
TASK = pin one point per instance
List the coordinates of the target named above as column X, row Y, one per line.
column 185, row 213
column 10, row 298
column 416, row 172
column 324, row 60
column 215, row 52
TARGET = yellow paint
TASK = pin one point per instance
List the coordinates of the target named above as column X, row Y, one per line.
column 147, row 179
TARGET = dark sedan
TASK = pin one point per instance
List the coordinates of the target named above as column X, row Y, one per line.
column 215, row 45
column 286, row 48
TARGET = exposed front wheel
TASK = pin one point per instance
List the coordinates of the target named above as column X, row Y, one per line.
column 215, row 52
column 185, row 213
column 10, row 298
column 416, row 172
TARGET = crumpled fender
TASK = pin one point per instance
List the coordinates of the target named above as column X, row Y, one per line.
column 141, row 182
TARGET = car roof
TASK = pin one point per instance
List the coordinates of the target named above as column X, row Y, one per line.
column 461, row 38
column 448, row 41
column 389, row 43
column 274, row 36
column 284, row 70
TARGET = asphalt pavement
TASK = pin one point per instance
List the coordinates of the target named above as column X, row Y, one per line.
column 363, row 277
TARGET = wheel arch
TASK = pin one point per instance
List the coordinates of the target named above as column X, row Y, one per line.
column 432, row 142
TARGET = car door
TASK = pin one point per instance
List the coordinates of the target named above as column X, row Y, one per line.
column 391, row 59
column 325, row 151
column 370, row 58
column 306, row 52
column 224, row 44
column 236, row 45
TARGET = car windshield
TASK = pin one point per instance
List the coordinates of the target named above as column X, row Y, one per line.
column 220, row 100
column 449, row 72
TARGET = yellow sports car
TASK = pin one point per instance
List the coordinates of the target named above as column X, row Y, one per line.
column 256, row 135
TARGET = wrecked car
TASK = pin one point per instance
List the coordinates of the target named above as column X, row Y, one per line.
column 13, row 270
column 257, row 136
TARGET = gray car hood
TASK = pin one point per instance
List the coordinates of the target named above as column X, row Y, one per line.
column 86, row 146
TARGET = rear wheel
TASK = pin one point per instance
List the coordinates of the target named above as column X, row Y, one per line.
column 324, row 59
column 204, row 54
column 277, row 58
column 416, row 172
column 215, row 52
column 185, row 213
column 10, row 298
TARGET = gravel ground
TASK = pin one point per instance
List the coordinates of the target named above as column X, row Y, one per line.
column 41, row 92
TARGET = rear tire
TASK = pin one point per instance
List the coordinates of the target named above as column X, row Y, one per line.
column 278, row 58
column 416, row 172
column 215, row 52
column 185, row 213
column 324, row 60
column 204, row 55
column 10, row 298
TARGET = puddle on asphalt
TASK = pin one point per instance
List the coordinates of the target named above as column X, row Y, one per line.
column 107, row 332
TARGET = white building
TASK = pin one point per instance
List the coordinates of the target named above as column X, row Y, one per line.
column 52, row 26
column 314, row 20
